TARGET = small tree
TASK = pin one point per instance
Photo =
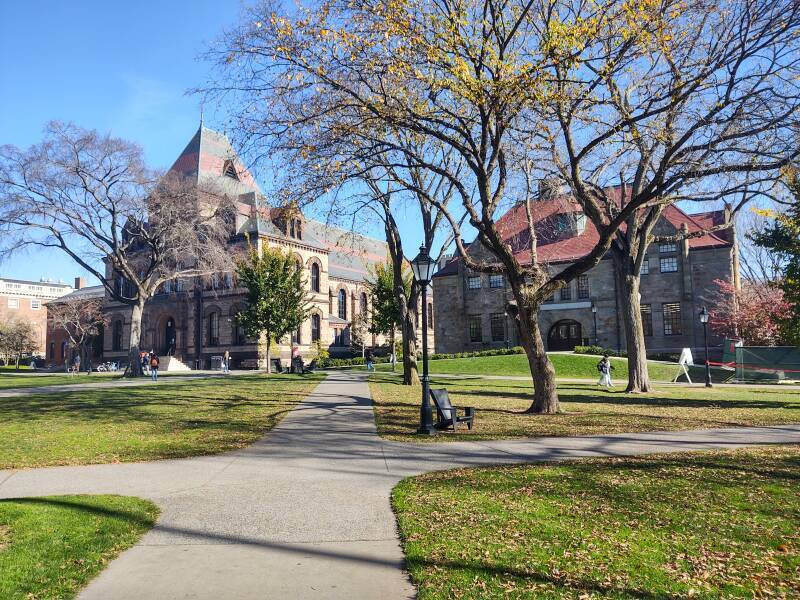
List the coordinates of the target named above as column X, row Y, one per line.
column 276, row 299
column 17, row 338
column 754, row 313
column 387, row 316
column 81, row 320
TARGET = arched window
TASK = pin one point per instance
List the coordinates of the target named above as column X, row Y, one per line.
column 213, row 329
column 363, row 307
column 315, row 328
column 314, row 277
column 116, row 337
column 343, row 304
column 297, row 336
column 63, row 350
column 299, row 264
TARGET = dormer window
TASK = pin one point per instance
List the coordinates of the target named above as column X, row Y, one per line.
column 296, row 229
column 229, row 170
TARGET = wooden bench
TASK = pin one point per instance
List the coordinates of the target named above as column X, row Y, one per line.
column 447, row 414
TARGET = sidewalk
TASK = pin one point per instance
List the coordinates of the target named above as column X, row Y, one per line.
column 305, row 512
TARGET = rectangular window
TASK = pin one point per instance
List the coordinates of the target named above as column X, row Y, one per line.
column 13, row 303
column 474, row 282
column 645, row 267
column 668, row 264
column 498, row 327
column 672, row 318
column 583, row 287
column 475, row 330
column 36, row 304
column 667, row 247
column 338, row 337
column 552, row 298
column 495, row 281
column 566, row 292
column 647, row 319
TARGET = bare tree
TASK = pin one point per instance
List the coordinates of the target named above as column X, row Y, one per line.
column 81, row 319
column 92, row 197
column 17, row 338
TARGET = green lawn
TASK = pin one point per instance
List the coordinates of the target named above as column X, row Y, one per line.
column 27, row 380
column 52, row 547
column 152, row 421
column 569, row 366
column 586, row 409
column 707, row 525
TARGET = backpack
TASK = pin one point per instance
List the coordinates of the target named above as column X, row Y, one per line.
column 600, row 367
column 154, row 362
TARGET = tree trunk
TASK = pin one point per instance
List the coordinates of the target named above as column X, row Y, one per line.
column 545, row 395
column 134, row 361
column 393, row 358
column 631, row 312
column 410, row 372
column 269, row 357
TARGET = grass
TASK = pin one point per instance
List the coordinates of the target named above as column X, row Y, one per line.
column 148, row 422
column 27, row 380
column 51, row 547
column 569, row 366
column 586, row 409
column 709, row 525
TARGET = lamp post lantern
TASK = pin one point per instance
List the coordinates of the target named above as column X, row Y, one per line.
column 423, row 266
column 594, row 317
column 704, row 321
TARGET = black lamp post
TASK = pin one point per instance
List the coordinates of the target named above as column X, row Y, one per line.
column 423, row 266
column 704, row 321
column 594, row 317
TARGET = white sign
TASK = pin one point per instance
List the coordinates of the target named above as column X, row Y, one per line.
column 686, row 359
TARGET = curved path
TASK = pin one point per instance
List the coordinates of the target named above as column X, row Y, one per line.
column 305, row 512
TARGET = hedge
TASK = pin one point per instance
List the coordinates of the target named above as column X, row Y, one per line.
column 599, row 350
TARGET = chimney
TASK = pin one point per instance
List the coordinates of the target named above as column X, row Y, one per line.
column 80, row 283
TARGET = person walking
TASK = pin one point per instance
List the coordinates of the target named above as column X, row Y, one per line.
column 145, row 359
column 605, row 367
column 76, row 364
column 368, row 357
column 226, row 359
column 154, row 362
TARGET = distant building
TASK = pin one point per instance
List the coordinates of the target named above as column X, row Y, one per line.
column 59, row 348
column 195, row 320
column 24, row 300
column 676, row 280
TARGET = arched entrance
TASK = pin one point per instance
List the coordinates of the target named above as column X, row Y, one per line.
column 169, row 337
column 564, row 335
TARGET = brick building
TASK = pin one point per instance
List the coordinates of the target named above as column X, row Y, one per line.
column 60, row 351
column 195, row 321
column 676, row 279
column 24, row 300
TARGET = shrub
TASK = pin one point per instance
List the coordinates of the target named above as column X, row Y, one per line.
column 599, row 351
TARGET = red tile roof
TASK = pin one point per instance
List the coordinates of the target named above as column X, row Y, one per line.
column 553, row 246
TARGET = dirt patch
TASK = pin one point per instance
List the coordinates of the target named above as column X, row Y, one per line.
column 5, row 537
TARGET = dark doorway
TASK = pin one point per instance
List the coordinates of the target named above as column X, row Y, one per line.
column 169, row 337
column 564, row 335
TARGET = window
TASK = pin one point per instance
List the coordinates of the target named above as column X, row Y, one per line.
column 36, row 304
column 343, row 304
column 338, row 337
column 474, row 282
column 52, row 350
column 430, row 314
column 228, row 280
column 297, row 336
column 315, row 277
column 667, row 248
column 497, row 323
column 363, row 308
column 566, row 292
column 475, row 330
column 229, row 170
column 647, row 319
column 315, row 328
column 299, row 229
column 645, row 267
column 583, row 287
column 213, row 329
column 668, row 264
column 35, row 288
column 239, row 336
column 552, row 298
column 13, row 303
column 116, row 336
column 672, row 318
column 495, row 281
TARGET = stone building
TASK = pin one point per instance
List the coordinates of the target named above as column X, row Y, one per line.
column 24, row 300
column 676, row 281
column 195, row 321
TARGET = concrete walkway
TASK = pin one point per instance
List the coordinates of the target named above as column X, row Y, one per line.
column 305, row 513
